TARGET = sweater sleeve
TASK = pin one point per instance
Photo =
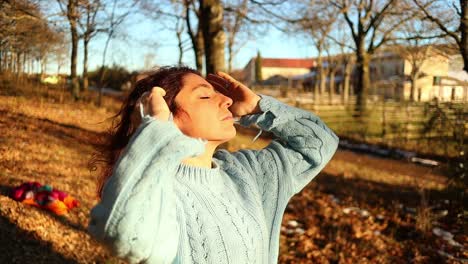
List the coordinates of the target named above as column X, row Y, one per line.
column 136, row 217
column 301, row 149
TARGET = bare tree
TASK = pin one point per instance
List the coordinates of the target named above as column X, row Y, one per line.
column 211, row 21
column 179, row 16
column 25, row 37
column 415, row 46
column 179, row 29
column 371, row 24
column 119, row 11
column 89, row 28
column 451, row 17
column 315, row 20
column 60, row 51
column 70, row 10
column 195, row 32
column 318, row 22
column 344, row 61
column 234, row 19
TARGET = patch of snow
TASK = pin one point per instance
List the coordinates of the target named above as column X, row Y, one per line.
column 427, row 162
column 299, row 231
column 293, row 223
column 447, row 236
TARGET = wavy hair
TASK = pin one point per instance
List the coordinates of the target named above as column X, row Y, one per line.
column 170, row 78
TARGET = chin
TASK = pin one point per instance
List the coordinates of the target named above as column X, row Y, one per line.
column 227, row 135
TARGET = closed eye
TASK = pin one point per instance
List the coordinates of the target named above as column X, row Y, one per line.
column 207, row 97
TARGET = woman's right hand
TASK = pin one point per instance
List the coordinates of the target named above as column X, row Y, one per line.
column 153, row 105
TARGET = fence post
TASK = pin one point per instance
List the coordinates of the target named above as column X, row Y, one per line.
column 407, row 121
column 384, row 121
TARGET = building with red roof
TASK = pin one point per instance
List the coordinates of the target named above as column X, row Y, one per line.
column 277, row 68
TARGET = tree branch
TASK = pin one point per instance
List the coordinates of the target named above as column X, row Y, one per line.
column 438, row 22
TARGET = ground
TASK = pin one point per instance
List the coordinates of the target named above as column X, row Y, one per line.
column 360, row 209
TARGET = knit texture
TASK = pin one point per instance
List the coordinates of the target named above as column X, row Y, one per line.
column 155, row 209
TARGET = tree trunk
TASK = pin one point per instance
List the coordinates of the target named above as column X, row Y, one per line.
column 363, row 80
column 24, row 65
column 318, row 79
column 413, row 87
column 230, row 54
column 316, row 88
column 199, row 51
column 5, row 60
column 102, row 71
column 346, row 81
column 211, row 21
column 43, row 66
column 323, row 81
column 331, row 85
column 72, row 17
column 195, row 38
column 1, row 59
column 18, row 66
column 85, row 64
column 12, row 62
column 464, row 33
column 179, row 45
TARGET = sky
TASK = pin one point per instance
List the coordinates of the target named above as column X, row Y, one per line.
column 146, row 37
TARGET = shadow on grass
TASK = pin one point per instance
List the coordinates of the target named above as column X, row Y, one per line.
column 400, row 225
column 62, row 131
column 371, row 193
column 21, row 246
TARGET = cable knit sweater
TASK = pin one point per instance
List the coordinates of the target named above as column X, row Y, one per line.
column 155, row 209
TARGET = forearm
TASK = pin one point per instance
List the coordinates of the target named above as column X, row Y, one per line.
column 137, row 204
column 306, row 143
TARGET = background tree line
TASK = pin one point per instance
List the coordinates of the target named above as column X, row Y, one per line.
column 215, row 30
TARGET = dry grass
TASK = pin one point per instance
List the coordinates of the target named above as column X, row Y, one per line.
column 48, row 139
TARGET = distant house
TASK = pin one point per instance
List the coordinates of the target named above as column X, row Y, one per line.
column 275, row 70
column 50, row 79
column 441, row 75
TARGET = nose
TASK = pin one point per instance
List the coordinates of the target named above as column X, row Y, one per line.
column 226, row 101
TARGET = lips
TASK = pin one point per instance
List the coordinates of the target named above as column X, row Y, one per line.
column 227, row 117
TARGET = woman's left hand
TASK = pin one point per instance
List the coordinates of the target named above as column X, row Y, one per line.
column 245, row 101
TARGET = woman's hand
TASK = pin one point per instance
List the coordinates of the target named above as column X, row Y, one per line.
column 153, row 105
column 245, row 101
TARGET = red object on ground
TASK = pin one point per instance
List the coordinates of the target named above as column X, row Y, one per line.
column 45, row 197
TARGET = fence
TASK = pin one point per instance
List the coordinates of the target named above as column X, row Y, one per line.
column 431, row 128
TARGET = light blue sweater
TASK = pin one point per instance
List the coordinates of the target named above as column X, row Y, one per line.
column 155, row 209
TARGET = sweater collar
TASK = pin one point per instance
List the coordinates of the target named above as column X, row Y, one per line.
column 200, row 175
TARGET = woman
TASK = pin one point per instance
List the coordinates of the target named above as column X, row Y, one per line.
column 170, row 197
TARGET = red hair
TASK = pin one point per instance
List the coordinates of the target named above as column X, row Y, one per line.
column 170, row 78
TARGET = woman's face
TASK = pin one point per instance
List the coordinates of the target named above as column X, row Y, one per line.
column 205, row 108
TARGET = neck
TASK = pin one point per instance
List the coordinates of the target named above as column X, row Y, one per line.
column 204, row 160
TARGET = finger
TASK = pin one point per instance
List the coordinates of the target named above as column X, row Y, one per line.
column 219, row 84
column 227, row 77
column 158, row 90
column 218, row 80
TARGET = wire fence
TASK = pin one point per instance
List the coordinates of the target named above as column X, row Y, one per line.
column 432, row 128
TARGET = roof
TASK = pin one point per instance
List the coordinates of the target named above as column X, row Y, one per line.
column 288, row 63
column 452, row 81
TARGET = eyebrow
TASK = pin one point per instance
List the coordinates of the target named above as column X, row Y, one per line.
column 202, row 85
